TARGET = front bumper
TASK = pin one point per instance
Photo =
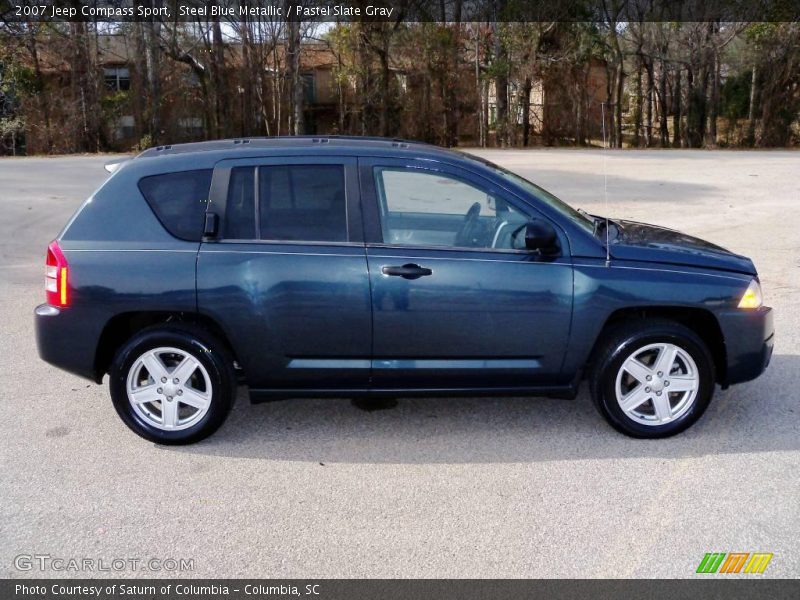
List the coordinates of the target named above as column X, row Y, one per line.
column 65, row 339
column 749, row 339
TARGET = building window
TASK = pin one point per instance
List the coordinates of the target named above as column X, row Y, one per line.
column 191, row 127
column 309, row 91
column 126, row 128
column 117, row 78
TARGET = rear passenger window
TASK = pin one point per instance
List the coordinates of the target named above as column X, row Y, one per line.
column 303, row 203
column 179, row 201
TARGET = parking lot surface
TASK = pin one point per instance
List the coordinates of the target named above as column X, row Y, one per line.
column 458, row 487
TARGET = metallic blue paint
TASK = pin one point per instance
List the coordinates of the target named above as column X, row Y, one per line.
column 282, row 302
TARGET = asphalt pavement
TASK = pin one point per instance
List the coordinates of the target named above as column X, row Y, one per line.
column 458, row 487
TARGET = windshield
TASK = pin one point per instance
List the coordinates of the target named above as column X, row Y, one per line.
column 581, row 219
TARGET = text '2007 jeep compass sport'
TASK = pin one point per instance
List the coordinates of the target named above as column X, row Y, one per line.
column 343, row 267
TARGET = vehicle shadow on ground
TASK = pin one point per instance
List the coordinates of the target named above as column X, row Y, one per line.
column 759, row 416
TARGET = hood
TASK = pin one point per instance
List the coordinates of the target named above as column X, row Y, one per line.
column 640, row 241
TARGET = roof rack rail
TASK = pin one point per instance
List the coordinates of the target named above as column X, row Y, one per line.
column 294, row 141
column 370, row 138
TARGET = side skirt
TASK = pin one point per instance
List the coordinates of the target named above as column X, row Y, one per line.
column 566, row 392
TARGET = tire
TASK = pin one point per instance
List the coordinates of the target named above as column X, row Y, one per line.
column 167, row 410
column 663, row 405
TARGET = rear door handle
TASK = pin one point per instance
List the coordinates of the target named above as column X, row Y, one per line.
column 409, row 271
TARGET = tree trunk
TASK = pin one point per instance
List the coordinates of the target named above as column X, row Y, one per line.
column 365, row 82
column 677, row 110
column 139, row 101
column 637, row 115
column 84, row 89
column 525, row 103
column 578, row 114
column 247, row 81
column 44, row 94
column 662, row 93
column 619, row 87
column 751, row 112
column 152, row 31
column 501, row 88
column 585, row 107
column 340, row 100
column 695, row 115
column 619, row 84
column 450, row 95
column 648, row 125
column 295, row 81
column 219, row 82
column 277, row 92
column 385, row 100
column 714, row 108
column 479, row 91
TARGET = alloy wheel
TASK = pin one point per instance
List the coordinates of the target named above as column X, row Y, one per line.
column 657, row 384
column 169, row 388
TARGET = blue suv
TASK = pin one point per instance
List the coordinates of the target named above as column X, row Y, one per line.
column 342, row 267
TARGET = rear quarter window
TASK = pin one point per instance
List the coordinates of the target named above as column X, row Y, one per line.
column 179, row 201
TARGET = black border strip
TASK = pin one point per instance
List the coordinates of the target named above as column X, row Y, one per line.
column 613, row 11
column 718, row 587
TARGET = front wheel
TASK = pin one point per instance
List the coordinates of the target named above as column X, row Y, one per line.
column 172, row 384
column 652, row 379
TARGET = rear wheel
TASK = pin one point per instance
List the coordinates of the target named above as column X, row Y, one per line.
column 653, row 378
column 173, row 384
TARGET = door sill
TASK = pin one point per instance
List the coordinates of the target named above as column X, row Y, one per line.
column 257, row 396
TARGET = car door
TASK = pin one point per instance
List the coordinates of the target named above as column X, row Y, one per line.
column 286, row 274
column 458, row 303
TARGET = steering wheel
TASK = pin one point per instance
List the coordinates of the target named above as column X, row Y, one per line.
column 469, row 229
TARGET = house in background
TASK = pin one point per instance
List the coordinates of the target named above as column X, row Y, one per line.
column 332, row 100
column 562, row 106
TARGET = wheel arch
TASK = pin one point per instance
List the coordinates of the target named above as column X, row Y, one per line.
column 123, row 326
column 699, row 320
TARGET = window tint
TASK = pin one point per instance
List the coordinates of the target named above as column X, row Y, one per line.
column 179, row 201
column 425, row 208
column 240, row 209
column 302, row 203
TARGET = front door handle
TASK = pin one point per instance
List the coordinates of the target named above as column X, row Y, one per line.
column 409, row 271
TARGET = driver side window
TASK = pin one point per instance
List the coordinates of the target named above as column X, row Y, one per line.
column 427, row 208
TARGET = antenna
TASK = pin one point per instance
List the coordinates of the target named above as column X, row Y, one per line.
column 605, row 180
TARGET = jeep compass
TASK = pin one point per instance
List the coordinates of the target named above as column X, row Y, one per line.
column 344, row 267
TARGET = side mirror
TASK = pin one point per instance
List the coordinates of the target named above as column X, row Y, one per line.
column 540, row 235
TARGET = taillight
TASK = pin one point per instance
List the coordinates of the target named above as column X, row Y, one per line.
column 56, row 280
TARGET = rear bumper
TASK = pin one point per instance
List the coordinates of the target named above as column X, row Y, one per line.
column 749, row 340
column 65, row 340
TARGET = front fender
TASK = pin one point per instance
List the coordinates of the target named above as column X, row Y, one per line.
column 602, row 290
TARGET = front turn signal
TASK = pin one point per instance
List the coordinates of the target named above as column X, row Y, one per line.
column 752, row 296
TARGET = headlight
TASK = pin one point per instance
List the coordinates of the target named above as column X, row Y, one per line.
column 752, row 296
